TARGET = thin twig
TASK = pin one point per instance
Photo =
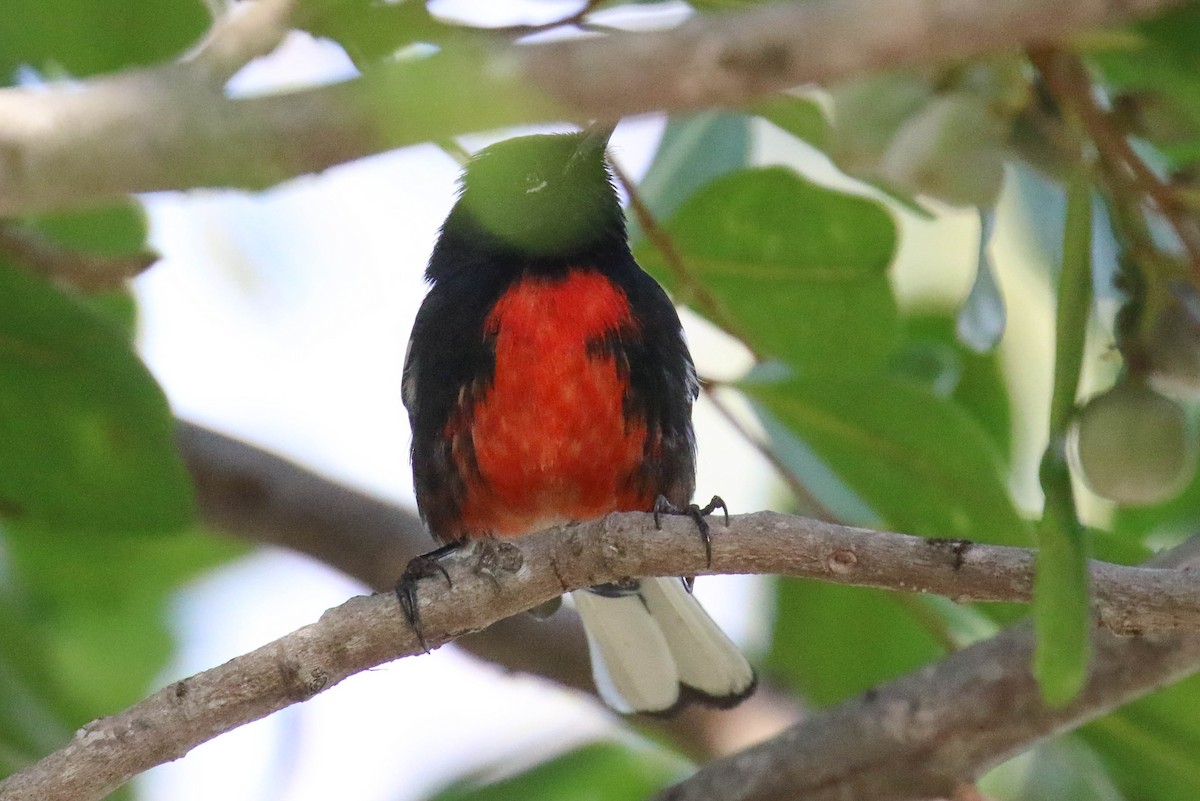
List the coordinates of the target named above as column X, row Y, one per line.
column 242, row 33
column 1067, row 78
column 89, row 272
column 576, row 18
column 809, row 503
column 693, row 289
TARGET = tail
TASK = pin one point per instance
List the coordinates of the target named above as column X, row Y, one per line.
column 653, row 647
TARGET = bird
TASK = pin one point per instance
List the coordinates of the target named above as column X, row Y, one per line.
column 547, row 381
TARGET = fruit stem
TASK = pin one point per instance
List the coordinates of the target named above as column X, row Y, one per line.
column 1061, row 606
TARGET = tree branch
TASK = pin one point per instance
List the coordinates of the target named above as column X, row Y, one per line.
column 254, row 495
column 1132, row 181
column 241, row 488
column 90, row 272
column 173, row 128
column 245, row 32
column 929, row 733
column 934, row 713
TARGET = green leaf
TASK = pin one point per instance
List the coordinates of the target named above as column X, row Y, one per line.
column 116, row 230
column 371, row 32
column 32, row 722
column 830, row 642
column 84, row 37
column 1150, row 746
column 801, row 270
column 1062, row 769
column 695, row 149
column 596, row 772
column 100, row 609
column 88, row 436
column 920, row 460
column 802, row 117
column 933, row 354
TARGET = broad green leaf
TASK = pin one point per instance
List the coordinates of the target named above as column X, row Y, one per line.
column 87, row 437
column 1062, row 769
column 97, row 607
column 84, row 37
column 933, row 354
column 802, row 117
column 117, row 230
column 114, row 230
column 1149, row 746
column 831, row 642
column 118, row 306
column 841, row 501
column 921, row 461
column 800, row 270
column 695, row 149
column 32, row 722
column 596, row 772
column 371, row 32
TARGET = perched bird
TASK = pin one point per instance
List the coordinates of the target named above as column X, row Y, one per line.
column 547, row 381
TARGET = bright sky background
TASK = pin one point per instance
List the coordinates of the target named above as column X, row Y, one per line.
column 282, row 318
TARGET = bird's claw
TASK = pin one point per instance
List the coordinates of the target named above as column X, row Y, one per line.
column 662, row 506
column 426, row 565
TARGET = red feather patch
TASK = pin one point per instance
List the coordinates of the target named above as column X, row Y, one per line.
column 549, row 437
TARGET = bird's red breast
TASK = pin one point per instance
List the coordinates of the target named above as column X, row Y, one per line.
column 550, row 437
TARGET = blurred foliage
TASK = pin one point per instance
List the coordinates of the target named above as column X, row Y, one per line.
column 595, row 772
column 893, row 415
column 822, row 631
column 789, row 262
column 89, row 443
column 1154, row 74
column 85, row 37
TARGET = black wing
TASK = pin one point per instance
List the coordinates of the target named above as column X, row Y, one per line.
column 447, row 355
column 663, row 385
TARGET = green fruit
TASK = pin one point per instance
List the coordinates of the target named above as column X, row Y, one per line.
column 1134, row 446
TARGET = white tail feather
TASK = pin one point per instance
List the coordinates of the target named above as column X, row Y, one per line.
column 631, row 661
column 646, row 644
column 705, row 658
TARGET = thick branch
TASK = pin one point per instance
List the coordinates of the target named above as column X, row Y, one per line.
column 254, row 495
column 930, row 733
column 251, row 494
column 241, row 488
column 930, row 715
column 173, row 128
column 924, row 735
